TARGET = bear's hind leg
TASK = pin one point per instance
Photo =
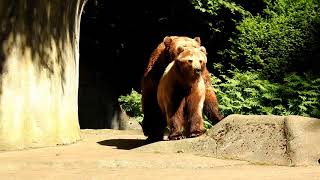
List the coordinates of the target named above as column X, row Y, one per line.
column 211, row 105
column 153, row 123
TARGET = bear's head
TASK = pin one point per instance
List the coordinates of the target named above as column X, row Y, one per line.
column 172, row 43
column 191, row 62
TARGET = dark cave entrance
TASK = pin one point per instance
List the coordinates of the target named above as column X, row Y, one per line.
column 116, row 41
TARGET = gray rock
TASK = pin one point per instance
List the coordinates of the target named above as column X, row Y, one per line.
column 133, row 124
column 255, row 138
column 303, row 135
column 260, row 139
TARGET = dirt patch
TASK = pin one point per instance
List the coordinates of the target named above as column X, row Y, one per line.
column 113, row 154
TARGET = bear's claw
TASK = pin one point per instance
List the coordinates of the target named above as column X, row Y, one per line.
column 196, row 134
column 176, row 137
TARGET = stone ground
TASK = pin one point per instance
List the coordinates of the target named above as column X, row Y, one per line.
column 113, row 154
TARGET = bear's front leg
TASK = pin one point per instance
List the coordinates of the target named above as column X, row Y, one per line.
column 194, row 107
column 176, row 121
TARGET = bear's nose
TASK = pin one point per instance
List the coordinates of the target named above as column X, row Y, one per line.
column 197, row 70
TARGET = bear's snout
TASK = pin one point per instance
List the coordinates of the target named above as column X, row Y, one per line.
column 197, row 71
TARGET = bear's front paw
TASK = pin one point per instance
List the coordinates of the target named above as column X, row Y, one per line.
column 176, row 137
column 196, row 133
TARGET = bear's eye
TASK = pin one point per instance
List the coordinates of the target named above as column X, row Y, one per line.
column 200, row 61
column 189, row 61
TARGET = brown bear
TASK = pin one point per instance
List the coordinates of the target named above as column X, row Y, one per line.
column 181, row 93
column 153, row 125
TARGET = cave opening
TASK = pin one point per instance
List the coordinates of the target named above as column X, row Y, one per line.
column 116, row 41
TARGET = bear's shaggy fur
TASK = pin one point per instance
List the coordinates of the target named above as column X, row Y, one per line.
column 181, row 93
column 153, row 125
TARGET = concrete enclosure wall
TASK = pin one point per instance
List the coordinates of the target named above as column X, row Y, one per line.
column 39, row 58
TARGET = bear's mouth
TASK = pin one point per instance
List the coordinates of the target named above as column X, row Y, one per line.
column 195, row 76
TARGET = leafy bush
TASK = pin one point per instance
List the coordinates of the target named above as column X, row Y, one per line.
column 219, row 11
column 249, row 93
column 131, row 103
column 301, row 94
column 270, row 63
column 278, row 41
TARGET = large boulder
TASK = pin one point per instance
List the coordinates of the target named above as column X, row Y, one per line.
column 260, row 139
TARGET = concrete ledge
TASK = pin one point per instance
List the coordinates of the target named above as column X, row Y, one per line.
column 260, row 139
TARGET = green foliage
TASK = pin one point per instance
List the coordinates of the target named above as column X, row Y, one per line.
column 277, row 41
column 301, row 94
column 214, row 8
column 270, row 63
column 131, row 103
column 207, row 122
column 249, row 93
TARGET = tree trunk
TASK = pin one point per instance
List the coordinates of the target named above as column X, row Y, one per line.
column 39, row 59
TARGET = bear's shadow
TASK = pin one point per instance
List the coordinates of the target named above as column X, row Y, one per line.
column 125, row 144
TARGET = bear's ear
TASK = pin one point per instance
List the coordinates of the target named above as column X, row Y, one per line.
column 198, row 39
column 167, row 41
column 180, row 49
column 203, row 49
